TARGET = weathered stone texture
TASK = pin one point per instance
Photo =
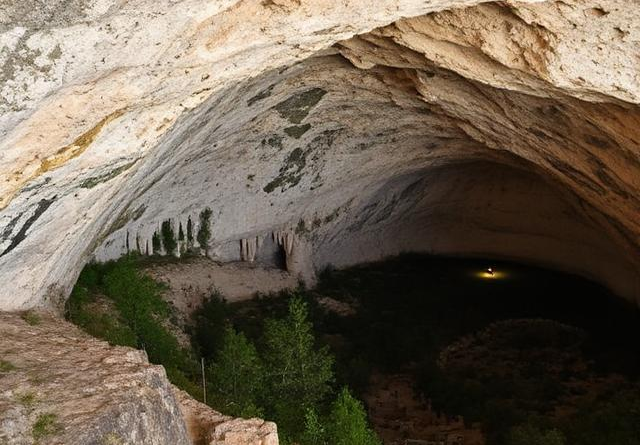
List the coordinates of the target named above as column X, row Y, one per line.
column 92, row 392
column 292, row 119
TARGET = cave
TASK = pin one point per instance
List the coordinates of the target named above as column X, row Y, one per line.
column 305, row 136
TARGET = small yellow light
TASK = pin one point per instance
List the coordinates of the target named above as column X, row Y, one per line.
column 490, row 274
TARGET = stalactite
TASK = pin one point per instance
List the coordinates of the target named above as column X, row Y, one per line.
column 284, row 238
column 249, row 247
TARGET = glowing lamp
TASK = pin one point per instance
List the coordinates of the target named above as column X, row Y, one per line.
column 490, row 274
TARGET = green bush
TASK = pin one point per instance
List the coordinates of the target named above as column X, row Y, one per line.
column 235, row 377
column 529, row 434
column 314, row 432
column 348, row 422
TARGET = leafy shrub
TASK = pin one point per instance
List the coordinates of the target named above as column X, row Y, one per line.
column 109, row 327
column 348, row 422
column 45, row 425
column 529, row 434
column 314, row 432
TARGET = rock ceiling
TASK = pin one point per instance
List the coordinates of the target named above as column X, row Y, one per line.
column 337, row 131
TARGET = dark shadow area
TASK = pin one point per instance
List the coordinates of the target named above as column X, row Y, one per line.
column 518, row 352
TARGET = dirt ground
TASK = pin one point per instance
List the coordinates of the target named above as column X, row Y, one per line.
column 400, row 417
column 192, row 280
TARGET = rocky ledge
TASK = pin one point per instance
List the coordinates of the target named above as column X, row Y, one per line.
column 60, row 386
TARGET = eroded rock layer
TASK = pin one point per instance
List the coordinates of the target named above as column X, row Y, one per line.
column 508, row 128
column 58, row 385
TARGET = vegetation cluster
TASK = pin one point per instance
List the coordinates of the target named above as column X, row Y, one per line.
column 277, row 370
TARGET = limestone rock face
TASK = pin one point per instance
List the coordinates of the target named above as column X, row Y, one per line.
column 60, row 386
column 207, row 427
column 323, row 131
column 80, row 390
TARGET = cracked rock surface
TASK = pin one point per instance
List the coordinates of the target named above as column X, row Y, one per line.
column 58, row 385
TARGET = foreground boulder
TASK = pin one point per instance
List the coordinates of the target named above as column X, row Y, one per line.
column 60, row 386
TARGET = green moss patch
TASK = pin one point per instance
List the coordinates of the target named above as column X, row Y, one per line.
column 6, row 366
column 26, row 399
column 92, row 182
column 296, row 131
column 45, row 425
column 31, row 318
column 290, row 173
column 297, row 107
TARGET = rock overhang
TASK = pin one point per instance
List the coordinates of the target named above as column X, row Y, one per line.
column 303, row 150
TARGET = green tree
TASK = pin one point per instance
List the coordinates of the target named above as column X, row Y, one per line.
column 298, row 374
column 210, row 321
column 236, row 376
column 189, row 233
column 314, row 431
column 348, row 422
column 156, row 243
column 204, row 231
column 168, row 237
column 529, row 434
